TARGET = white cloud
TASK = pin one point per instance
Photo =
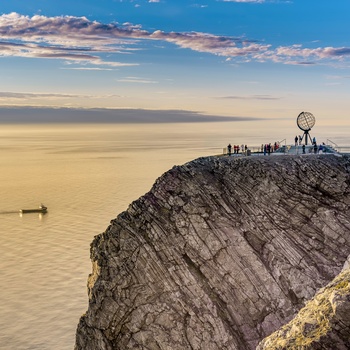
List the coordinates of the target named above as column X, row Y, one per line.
column 79, row 40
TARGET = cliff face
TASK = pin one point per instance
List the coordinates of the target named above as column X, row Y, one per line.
column 219, row 254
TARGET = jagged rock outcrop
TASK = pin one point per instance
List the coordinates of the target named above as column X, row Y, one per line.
column 219, row 254
column 324, row 323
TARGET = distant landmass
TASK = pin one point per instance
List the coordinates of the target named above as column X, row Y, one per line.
column 221, row 253
column 104, row 115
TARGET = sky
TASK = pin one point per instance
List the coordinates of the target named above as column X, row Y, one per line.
column 227, row 58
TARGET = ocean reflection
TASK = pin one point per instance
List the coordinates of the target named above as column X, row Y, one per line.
column 39, row 215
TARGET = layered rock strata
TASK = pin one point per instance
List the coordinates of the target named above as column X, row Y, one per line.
column 219, row 254
column 324, row 323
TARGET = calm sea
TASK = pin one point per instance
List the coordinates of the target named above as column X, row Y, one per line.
column 86, row 175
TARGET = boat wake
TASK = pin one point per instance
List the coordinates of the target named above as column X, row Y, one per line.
column 9, row 212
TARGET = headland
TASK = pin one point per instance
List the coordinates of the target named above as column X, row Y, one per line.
column 221, row 253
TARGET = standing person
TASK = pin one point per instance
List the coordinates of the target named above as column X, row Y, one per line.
column 303, row 147
column 269, row 148
column 300, row 138
column 315, row 148
column 229, row 149
column 265, row 149
column 296, row 140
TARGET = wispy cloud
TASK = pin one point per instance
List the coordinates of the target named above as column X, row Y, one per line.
column 337, row 77
column 7, row 95
column 79, row 40
column 28, row 95
column 254, row 1
column 136, row 80
column 88, row 68
column 251, row 97
column 199, row 6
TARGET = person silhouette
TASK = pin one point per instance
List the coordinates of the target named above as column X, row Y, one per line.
column 229, row 149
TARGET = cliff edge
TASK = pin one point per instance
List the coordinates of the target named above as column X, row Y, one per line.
column 219, row 254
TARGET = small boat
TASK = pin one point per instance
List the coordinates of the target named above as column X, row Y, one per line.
column 42, row 209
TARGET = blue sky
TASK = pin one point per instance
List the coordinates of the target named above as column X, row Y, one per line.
column 264, row 59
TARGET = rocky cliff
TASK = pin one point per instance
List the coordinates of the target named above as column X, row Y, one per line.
column 219, row 254
column 324, row 323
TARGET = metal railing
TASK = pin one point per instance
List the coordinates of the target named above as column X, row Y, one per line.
column 331, row 143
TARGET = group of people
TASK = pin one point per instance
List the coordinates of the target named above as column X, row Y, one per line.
column 315, row 148
column 299, row 139
column 236, row 149
column 243, row 149
column 268, row 148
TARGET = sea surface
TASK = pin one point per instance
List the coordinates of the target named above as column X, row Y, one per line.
column 86, row 175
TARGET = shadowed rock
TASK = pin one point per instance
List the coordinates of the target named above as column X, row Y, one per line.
column 219, row 254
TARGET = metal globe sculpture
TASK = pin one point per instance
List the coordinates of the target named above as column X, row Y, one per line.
column 306, row 121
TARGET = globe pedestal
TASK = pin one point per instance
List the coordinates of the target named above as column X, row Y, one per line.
column 306, row 136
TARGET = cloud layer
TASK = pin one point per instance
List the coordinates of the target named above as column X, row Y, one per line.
column 101, row 115
column 79, row 40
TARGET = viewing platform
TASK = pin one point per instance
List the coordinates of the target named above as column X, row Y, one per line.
column 292, row 150
column 304, row 145
column 309, row 149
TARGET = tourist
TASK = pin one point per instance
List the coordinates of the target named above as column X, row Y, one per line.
column 296, row 140
column 303, row 147
column 315, row 148
column 229, row 149
column 269, row 148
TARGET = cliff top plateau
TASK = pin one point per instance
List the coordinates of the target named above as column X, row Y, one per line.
column 221, row 253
